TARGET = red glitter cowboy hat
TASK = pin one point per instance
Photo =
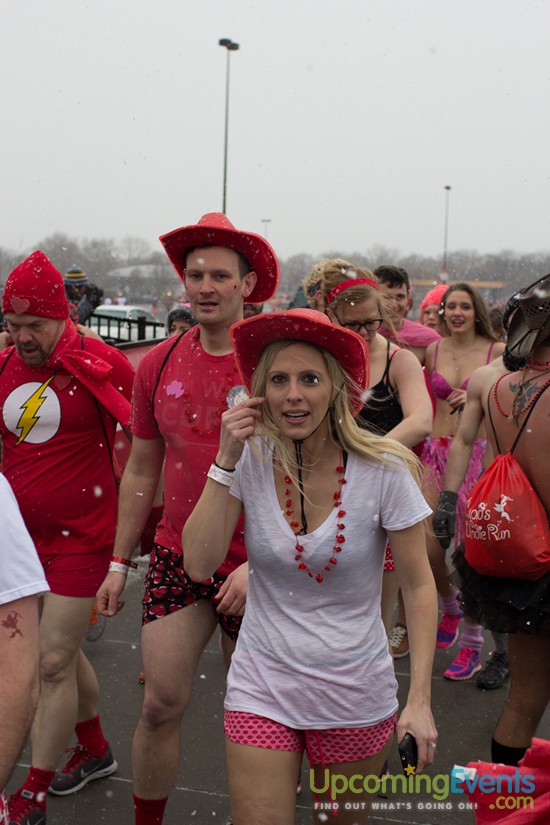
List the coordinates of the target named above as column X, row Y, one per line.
column 215, row 229
column 251, row 336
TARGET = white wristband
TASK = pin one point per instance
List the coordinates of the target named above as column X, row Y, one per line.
column 221, row 476
column 115, row 567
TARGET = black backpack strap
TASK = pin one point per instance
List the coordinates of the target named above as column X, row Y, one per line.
column 162, row 366
column 491, row 418
column 534, row 404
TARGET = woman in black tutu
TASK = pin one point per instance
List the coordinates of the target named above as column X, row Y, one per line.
column 516, row 606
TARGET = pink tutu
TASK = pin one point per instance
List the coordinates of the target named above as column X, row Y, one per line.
column 435, row 455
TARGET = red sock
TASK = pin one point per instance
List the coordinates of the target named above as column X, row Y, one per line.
column 90, row 736
column 38, row 781
column 149, row 811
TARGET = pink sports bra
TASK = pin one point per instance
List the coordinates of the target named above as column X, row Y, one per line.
column 440, row 386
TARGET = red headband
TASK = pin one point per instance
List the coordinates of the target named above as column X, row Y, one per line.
column 332, row 293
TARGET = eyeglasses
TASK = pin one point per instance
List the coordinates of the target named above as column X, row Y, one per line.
column 370, row 326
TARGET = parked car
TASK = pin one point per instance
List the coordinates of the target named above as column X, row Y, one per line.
column 127, row 322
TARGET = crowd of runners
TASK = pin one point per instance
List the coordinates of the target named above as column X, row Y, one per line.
column 314, row 468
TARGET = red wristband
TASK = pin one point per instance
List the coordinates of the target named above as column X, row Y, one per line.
column 127, row 562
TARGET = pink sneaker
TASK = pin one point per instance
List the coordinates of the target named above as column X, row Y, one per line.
column 447, row 632
column 465, row 665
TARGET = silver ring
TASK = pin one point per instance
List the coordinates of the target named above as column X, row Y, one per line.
column 434, row 745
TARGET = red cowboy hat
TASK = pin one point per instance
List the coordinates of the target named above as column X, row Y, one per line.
column 215, row 229
column 251, row 336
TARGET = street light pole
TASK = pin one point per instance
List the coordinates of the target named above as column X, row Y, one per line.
column 444, row 274
column 265, row 222
column 231, row 47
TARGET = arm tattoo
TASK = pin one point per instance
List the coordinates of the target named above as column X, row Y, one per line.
column 11, row 624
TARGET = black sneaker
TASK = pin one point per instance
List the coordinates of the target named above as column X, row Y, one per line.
column 494, row 673
column 27, row 808
column 80, row 769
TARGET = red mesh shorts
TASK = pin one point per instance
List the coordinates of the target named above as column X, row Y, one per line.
column 322, row 746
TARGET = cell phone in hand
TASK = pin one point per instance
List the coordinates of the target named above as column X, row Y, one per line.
column 408, row 753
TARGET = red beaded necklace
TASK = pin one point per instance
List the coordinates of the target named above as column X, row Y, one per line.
column 513, row 412
column 538, row 366
column 227, row 385
column 340, row 527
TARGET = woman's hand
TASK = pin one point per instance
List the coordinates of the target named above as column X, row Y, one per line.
column 232, row 594
column 418, row 721
column 238, row 424
column 457, row 400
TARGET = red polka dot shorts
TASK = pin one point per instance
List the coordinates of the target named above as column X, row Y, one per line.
column 322, row 746
column 389, row 563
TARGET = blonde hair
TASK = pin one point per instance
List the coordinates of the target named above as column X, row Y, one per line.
column 343, row 429
column 332, row 274
column 314, row 282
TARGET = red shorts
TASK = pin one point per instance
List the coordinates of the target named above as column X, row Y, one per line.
column 168, row 589
column 389, row 563
column 76, row 574
column 322, row 746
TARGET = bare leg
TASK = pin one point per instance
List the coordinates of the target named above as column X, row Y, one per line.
column 262, row 785
column 171, row 648
column 88, row 689
column 359, row 803
column 62, row 627
column 529, row 693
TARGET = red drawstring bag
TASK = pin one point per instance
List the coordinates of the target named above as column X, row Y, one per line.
column 507, row 531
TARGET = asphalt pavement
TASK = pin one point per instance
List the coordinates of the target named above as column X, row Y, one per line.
column 465, row 717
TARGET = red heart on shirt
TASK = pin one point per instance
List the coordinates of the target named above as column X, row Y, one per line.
column 20, row 305
column 62, row 381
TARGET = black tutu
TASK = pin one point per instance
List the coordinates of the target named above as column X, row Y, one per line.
column 503, row 605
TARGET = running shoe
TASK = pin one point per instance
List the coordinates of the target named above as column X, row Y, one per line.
column 464, row 666
column 447, row 632
column 494, row 673
column 27, row 808
column 96, row 625
column 399, row 641
column 80, row 769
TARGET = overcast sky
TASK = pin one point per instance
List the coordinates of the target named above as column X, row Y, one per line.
column 347, row 120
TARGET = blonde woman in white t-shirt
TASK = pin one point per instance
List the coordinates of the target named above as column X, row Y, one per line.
column 312, row 670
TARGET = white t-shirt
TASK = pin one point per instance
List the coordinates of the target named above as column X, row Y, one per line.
column 21, row 573
column 310, row 655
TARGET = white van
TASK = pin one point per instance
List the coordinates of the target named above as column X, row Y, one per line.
column 125, row 322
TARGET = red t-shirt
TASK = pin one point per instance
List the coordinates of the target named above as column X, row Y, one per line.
column 189, row 399
column 411, row 334
column 57, row 450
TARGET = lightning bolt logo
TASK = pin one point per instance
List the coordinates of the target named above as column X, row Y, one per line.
column 29, row 417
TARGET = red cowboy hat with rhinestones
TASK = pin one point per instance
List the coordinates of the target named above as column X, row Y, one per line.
column 251, row 336
column 215, row 229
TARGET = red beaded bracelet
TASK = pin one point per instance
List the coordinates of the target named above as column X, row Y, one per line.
column 127, row 562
